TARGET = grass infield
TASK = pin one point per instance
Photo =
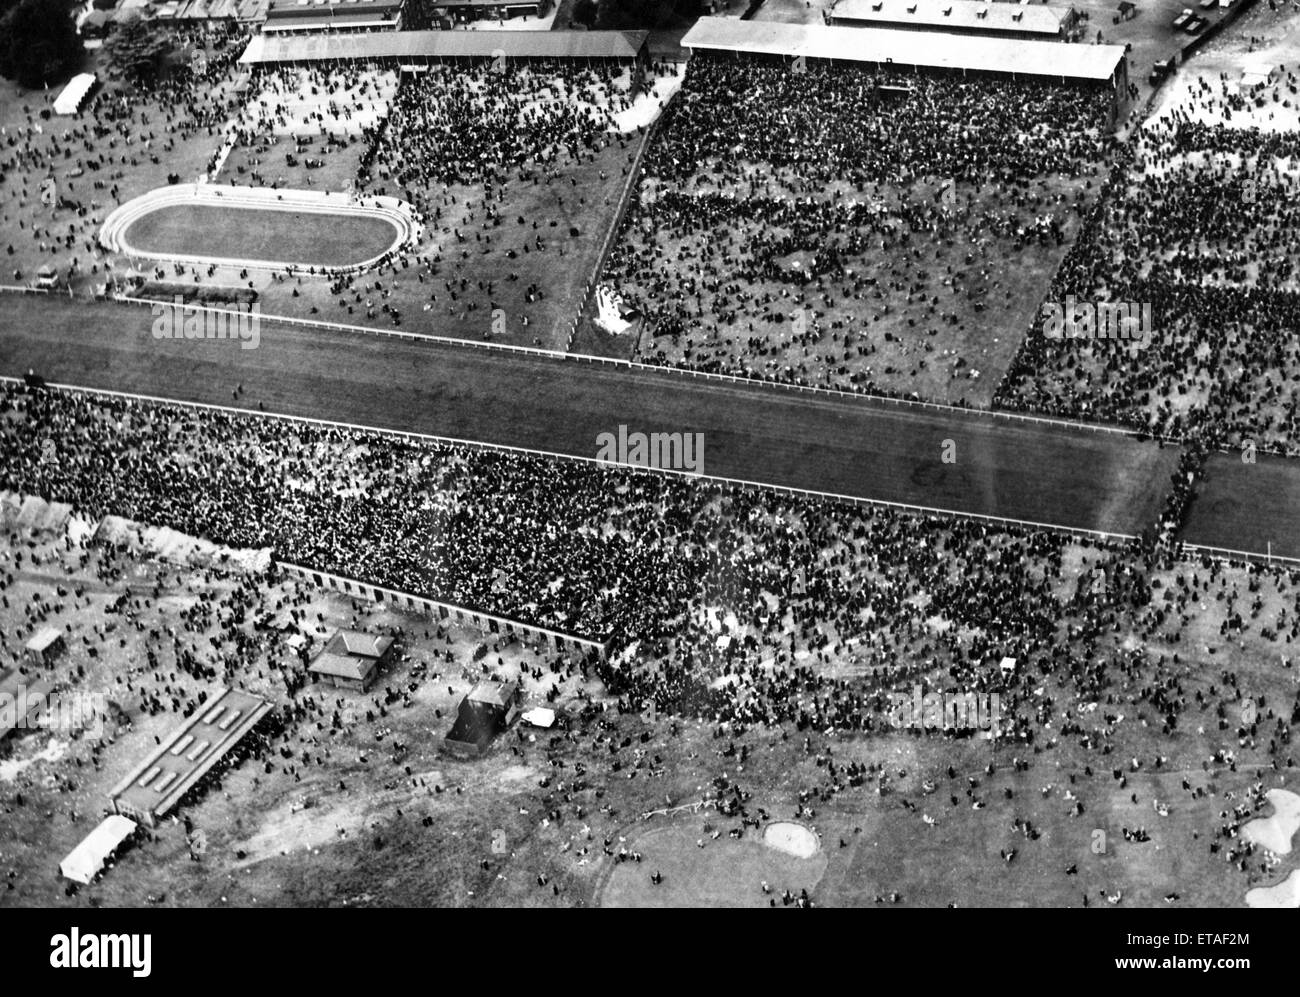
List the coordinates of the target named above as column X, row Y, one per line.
column 306, row 238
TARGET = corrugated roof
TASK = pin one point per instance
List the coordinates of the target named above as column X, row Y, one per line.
column 326, row 7
column 971, row 15
column 366, row 46
column 920, row 49
column 324, row 22
column 157, row 784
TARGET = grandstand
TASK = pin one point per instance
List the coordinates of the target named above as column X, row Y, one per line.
column 333, row 15
column 886, row 47
column 971, row 17
column 474, row 10
column 153, row 788
column 415, row 47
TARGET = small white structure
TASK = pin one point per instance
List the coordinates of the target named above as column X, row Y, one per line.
column 610, row 312
column 1257, row 74
column 1008, row 666
column 86, row 860
column 44, row 647
column 539, row 716
column 74, row 94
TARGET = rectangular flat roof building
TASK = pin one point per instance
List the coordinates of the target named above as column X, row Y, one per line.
column 333, row 15
column 411, row 47
column 44, row 647
column 473, row 10
column 976, row 17
column 904, row 50
column 154, row 787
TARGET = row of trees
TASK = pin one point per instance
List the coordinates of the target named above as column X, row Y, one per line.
column 39, row 44
column 619, row 15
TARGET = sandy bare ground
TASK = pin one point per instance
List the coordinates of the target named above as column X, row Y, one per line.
column 1276, row 831
column 1261, row 38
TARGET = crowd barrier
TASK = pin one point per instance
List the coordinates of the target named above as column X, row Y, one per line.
column 661, row 369
column 436, row 609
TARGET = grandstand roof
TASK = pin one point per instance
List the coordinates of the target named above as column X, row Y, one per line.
column 957, row 15
column 366, row 46
column 322, row 8
column 302, row 14
column 923, row 50
column 153, row 787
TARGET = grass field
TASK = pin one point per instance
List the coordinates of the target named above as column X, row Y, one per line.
column 266, row 163
column 1010, row 468
column 303, row 238
column 700, row 871
column 1247, row 507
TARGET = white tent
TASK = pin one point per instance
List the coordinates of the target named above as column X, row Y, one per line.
column 85, row 861
column 1257, row 74
column 74, row 94
column 540, row 716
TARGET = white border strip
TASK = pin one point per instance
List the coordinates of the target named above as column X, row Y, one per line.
column 398, row 214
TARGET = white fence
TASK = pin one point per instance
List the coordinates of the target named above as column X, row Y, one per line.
column 862, row 397
column 487, row 622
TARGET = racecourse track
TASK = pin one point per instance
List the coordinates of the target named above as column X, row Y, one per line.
column 1039, row 473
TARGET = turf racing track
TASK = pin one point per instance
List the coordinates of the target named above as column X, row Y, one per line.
column 1031, row 471
column 204, row 224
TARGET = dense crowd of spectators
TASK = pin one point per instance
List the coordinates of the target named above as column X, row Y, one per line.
column 785, row 212
column 59, row 178
column 741, row 607
column 478, row 123
column 1200, row 222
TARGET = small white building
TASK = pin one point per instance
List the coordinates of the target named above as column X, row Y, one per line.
column 1257, row 74
column 44, row 647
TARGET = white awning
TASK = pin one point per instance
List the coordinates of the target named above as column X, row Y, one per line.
column 539, row 716
column 74, row 94
column 87, row 859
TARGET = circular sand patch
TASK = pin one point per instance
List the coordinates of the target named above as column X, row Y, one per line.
column 793, row 839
